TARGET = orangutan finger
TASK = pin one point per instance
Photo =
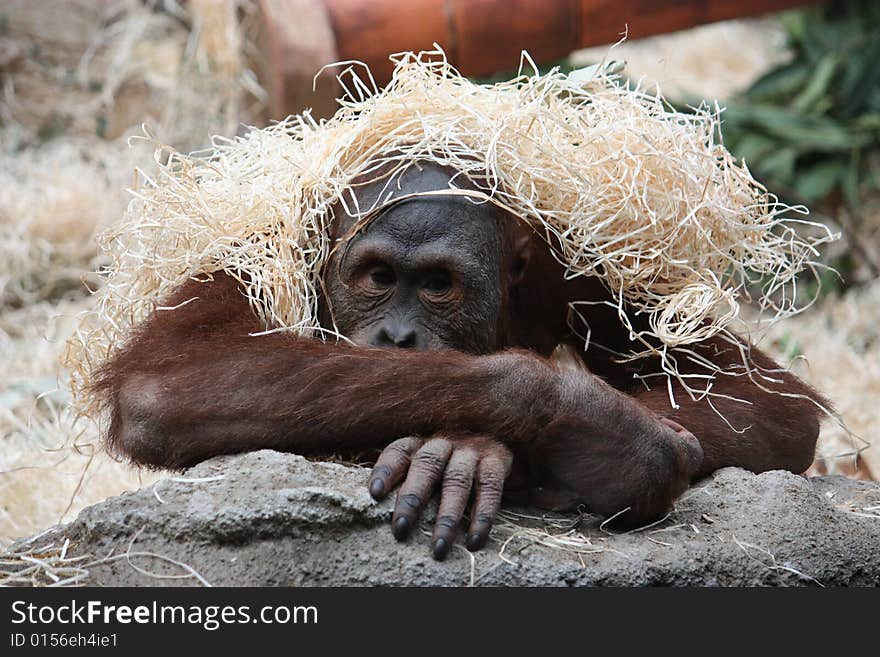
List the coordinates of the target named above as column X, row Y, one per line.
column 491, row 473
column 424, row 474
column 457, row 482
column 392, row 465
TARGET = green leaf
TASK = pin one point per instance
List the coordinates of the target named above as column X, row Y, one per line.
column 795, row 23
column 819, row 83
column 850, row 181
column 806, row 132
column 779, row 166
column 815, row 182
column 780, row 83
column 753, row 147
column 867, row 122
column 860, row 81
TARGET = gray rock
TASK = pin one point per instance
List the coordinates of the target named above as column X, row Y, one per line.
column 267, row 518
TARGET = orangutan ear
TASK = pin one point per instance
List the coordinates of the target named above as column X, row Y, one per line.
column 520, row 257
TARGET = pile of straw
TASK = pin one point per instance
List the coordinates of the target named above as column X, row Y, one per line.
column 643, row 197
column 87, row 68
column 78, row 78
column 836, row 348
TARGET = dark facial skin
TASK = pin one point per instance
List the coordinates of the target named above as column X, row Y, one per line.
column 427, row 273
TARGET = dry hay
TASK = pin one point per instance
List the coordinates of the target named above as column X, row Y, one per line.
column 643, row 197
column 97, row 68
column 52, row 198
column 78, row 78
column 50, row 467
column 40, row 561
column 836, row 348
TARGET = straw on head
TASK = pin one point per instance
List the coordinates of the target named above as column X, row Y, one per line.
column 628, row 190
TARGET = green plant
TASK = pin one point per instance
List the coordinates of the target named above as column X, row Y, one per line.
column 810, row 128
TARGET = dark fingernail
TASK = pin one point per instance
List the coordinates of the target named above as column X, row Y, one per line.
column 441, row 549
column 377, row 488
column 475, row 542
column 400, row 528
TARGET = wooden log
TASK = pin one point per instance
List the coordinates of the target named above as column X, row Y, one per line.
column 480, row 37
column 294, row 41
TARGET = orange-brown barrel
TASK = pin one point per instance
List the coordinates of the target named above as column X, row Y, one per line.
column 370, row 31
column 480, row 37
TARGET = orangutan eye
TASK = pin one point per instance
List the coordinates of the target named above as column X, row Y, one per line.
column 437, row 283
column 382, row 276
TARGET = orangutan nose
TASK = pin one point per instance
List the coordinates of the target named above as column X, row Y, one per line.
column 395, row 334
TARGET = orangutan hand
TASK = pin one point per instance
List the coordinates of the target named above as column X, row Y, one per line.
column 461, row 464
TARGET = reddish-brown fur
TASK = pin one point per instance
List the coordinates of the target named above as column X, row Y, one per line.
column 194, row 382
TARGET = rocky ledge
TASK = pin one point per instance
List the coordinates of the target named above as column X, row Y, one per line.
column 267, row 519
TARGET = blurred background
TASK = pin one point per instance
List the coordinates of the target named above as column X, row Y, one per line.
column 800, row 82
